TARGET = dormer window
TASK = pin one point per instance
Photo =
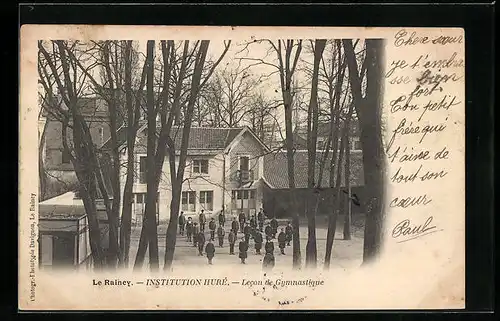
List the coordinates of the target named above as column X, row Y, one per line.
column 244, row 163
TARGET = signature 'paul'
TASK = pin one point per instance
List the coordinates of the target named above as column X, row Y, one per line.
column 406, row 228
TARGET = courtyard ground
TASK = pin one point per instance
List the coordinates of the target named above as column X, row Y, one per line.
column 346, row 254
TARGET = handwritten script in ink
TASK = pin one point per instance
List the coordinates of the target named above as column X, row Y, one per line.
column 422, row 98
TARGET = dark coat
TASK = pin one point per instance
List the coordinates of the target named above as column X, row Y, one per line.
column 212, row 225
column 243, row 247
column 182, row 220
column 269, row 247
column 202, row 218
column 260, row 217
column 247, row 230
column 253, row 222
column 257, row 238
column 210, row 250
column 201, row 237
column 196, row 229
column 274, row 223
column 220, row 232
column 242, row 217
column 231, row 237
column 189, row 226
column 268, row 261
column 235, row 225
column 268, row 230
column 282, row 237
column 222, row 218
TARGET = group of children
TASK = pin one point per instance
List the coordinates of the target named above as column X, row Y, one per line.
column 195, row 232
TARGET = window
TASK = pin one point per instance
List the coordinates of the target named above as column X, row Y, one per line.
column 207, row 200
column 243, row 194
column 244, row 163
column 65, row 157
column 188, row 200
column 243, row 199
column 142, row 170
column 200, row 166
column 139, row 206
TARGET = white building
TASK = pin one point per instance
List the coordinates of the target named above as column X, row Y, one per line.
column 224, row 169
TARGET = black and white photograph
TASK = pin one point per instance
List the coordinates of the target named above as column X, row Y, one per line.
column 255, row 153
column 159, row 153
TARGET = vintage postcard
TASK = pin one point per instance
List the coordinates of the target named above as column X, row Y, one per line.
column 241, row 168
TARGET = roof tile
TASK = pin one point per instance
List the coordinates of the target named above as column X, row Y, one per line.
column 276, row 174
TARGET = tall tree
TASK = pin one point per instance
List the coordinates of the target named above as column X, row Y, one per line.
column 332, row 221
column 132, row 117
column 312, row 133
column 347, row 185
column 172, row 107
column 177, row 171
column 288, row 53
column 59, row 66
column 227, row 96
column 111, row 58
column 150, row 224
column 369, row 111
column 149, row 233
column 287, row 57
column 261, row 117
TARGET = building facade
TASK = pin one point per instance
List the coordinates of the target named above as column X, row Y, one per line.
column 224, row 170
column 56, row 162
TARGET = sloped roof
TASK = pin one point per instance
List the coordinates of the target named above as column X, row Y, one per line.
column 61, row 212
column 200, row 138
column 207, row 138
column 87, row 106
column 276, row 174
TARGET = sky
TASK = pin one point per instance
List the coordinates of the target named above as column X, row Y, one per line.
column 240, row 54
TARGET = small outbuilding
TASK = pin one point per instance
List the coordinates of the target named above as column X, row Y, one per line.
column 64, row 234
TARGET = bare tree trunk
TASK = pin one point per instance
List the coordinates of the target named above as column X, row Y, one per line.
column 312, row 132
column 287, row 69
column 84, row 160
column 42, row 174
column 335, row 111
column 177, row 177
column 369, row 111
column 86, row 177
column 149, row 232
column 133, row 115
column 151, row 174
column 113, row 212
column 347, row 176
column 332, row 219
column 291, row 183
